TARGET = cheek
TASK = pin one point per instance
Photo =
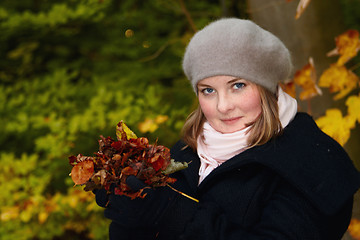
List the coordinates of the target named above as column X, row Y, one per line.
column 253, row 105
column 207, row 107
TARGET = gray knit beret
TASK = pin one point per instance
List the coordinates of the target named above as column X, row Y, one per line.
column 237, row 48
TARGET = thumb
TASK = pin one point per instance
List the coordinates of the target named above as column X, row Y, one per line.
column 101, row 197
column 134, row 183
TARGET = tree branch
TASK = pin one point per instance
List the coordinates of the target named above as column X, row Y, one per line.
column 187, row 15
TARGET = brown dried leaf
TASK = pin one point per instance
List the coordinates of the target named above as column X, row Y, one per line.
column 303, row 4
column 82, row 172
column 116, row 160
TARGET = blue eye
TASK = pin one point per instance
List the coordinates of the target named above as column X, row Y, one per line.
column 239, row 85
column 207, row 90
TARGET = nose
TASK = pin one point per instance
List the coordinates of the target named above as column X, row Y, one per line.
column 225, row 103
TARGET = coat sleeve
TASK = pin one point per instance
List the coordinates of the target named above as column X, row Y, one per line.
column 287, row 215
column 118, row 232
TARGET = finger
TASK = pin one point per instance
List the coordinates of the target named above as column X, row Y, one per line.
column 134, row 183
column 101, row 197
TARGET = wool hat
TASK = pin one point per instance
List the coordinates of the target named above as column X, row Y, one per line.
column 238, row 48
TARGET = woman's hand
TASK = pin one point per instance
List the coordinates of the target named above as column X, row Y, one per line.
column 138, row 212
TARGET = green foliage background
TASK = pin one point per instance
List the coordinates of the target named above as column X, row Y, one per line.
column 69, row 71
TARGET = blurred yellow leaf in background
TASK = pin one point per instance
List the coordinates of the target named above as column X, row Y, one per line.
column 347, row 46
column 9, row 213
column 339, row 79
column 148, row 125
column 151, row 125
column 42, row 217
column 161, row 119
column 289, row 88
column 306, row 79
column 353, row 104
column 354, row 228
column 335, row 125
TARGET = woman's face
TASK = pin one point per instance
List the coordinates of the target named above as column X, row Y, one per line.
column 229, row 103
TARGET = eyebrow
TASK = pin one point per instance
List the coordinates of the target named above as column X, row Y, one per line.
column 229, row 82
column 203, row 85
column 234, row 80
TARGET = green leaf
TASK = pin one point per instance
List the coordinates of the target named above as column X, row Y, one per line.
column 175, row 166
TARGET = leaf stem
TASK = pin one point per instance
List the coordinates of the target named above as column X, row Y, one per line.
column 185, row 195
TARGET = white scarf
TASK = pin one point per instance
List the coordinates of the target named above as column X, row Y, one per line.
column 214, row 148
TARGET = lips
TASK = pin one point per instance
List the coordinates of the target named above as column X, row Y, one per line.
column 231, row 120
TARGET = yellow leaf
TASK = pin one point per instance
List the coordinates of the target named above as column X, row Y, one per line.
column 49, row 206
column 121, row 128
column 73, row 202
column 347, row 46
column 339, row 79
column 77, row 196
column 301, row 7
column 42, row 217
column 161, row 119
column 289, row 88
column 306, row 79
column 27, row 214
column 353, row 104
column 335, row 125
column 9, row 213
column 354, row 228
column 149, row 125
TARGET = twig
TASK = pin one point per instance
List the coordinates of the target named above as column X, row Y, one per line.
column 185, row 195
column 187, row 14
column 156, row 54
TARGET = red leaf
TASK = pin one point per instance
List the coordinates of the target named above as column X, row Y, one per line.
column 117, row 145
column 129, row 171
column 72, row 160
column 157, row 162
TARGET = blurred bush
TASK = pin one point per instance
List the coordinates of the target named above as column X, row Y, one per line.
column 69, row 72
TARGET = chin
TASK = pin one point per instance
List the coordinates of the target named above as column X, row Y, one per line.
column 231, row 130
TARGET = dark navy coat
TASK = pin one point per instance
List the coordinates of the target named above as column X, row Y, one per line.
column 297, row 186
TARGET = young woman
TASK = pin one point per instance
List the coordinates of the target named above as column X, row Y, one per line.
column 259, row 169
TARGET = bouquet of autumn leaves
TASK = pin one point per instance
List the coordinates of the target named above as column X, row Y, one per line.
column 118, row 159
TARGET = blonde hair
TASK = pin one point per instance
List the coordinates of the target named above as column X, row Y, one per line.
column 263, row 129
